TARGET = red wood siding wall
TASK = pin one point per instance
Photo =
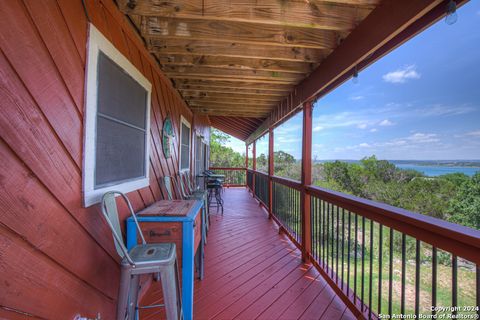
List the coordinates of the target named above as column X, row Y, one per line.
column 57, row 259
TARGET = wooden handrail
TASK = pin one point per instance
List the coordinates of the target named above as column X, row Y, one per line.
column 288, row 182
column 221, row 168
column 258, row 172
column 459, row 240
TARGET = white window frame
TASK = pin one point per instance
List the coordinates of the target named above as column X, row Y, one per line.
column 184, row 121
column 98, row 42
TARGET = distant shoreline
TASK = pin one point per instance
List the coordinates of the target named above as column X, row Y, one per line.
column 425, row 163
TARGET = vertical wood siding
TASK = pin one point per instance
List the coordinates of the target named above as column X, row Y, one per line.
column 57, row 259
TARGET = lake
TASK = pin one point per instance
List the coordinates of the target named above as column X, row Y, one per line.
column 433, row 171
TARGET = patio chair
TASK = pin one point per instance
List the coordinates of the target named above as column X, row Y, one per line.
column 170, row 183
column 196, row 195
column 156, row 259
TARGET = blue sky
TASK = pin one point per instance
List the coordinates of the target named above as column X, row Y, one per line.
column 421, row 101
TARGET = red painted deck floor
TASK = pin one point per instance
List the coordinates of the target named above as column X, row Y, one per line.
column 253, row 272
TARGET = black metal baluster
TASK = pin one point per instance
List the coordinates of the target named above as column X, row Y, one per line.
column 402, row 302
column 417, row 278
column 336, row 238
column 343, row 246
column 454, row 284
column 362, row 296
column 314, row 228
column 380, row 260
column 370, row 279
column 348, row 251
column 317, row 247
column 323, row 234
column 299, row 217
column 355, row 261
column 390, row 273
column 434, row 280
column 332, row 211
column 328, row 230
column 478, row 292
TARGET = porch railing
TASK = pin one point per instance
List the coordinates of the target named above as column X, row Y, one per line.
column 380, row 259
column 261, row 188
column 234, row 177
column 286, row 205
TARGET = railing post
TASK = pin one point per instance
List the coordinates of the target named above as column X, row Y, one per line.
column 270, row 171
column 254, row 165
column 306, row 180
column 246, row 164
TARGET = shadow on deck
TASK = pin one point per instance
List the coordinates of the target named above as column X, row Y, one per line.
column 253, row 272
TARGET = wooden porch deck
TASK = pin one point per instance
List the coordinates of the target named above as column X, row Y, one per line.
column 253, row 272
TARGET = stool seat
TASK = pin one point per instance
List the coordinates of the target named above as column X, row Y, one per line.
column 153, row 254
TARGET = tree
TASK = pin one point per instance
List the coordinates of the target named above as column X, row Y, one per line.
column 220, row 154
column 465, row 206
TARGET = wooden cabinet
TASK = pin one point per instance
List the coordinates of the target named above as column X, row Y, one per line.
column 180, row 222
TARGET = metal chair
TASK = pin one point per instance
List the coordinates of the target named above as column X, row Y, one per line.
column 198, row 194
column 214, row 187
column 157, row 259
column 169, row 183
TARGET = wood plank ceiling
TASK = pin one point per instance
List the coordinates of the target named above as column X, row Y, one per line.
column 235, row 60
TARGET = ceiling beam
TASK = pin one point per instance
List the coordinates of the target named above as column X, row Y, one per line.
column 229, row 113
column 228, row 78
column 232, row 102
column 250, row 87
column 361, row 47
column 236, row 126
column 214, row 91
column 237, row 32
column 201, row 95
column 314, row 15
column 235, row 50
column 237, row 63
column 232, row 73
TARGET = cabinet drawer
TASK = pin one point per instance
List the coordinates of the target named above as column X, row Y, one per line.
column 161, row 231
column 197, row 232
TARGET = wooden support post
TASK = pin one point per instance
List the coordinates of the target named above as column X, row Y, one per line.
column 270, row 171
column 306, row 180
column 246, row 165
column 254, row 166
column 246, row 156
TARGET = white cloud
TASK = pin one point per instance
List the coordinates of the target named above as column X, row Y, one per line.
column 473, row 133
column 374, row 130
column 441, row 110
column 402, row 75
column 423, row 137
column 386, row 123
column 318, row 128
column 283, row 139
column 355, row 98
column 364, row 145
column 362, row 126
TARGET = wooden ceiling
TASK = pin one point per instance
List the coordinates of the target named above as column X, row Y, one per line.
column 235, row 59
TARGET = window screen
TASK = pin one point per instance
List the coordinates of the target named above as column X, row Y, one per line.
column 185, row 147
column 198, row 156
column 121, row 126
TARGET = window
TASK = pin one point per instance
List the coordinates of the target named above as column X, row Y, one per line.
column 184, row 144
column 199, row 156
column 117, row 122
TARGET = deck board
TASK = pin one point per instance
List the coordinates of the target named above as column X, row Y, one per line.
column 253, row 272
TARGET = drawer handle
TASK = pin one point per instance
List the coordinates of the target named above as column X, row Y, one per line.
column 152, row 233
